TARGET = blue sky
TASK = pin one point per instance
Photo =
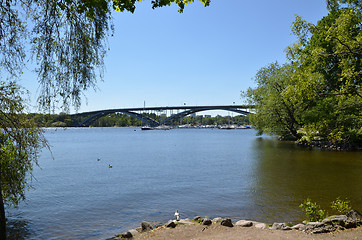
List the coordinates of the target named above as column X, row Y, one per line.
column 204, row 56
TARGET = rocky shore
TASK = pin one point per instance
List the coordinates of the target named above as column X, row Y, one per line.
column 192, row 228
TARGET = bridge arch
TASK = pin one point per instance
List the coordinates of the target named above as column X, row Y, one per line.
column 191, row 111
column 134, row 112
column 147, row 120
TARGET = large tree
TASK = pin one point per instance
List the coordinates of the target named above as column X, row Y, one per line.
column 281, row 98
column 66, row 40
column 326, row 80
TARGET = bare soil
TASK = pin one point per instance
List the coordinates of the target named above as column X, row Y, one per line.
column 218, row 232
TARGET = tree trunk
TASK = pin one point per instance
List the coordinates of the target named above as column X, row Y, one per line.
column 2, row 216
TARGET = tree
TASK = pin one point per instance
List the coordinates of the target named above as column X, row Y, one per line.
column 66, row 40
column 333, row 48
column 280, row 100
column 319, row 97
column 20, row 142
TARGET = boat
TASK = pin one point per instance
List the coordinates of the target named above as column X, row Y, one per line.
column 147, row 128
column 227, row 127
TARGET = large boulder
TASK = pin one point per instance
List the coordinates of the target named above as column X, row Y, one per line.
column 351, row 220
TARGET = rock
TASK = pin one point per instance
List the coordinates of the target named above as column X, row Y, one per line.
column 338, row 219
column 280, row 226
column 327, row 221
column 261, row 226
column 244, row 223
column 185, row 221
column 227, row 222
column 217, row 219
column 206, row 221
column 319, row 227
column 125, row 235
column 299, row 226
column 355, row 216
column 324, row 229
column 146, row 226
column 350, row 224
column 314, row 224
column 158, row 225
column 170, row 224
column 134, row 232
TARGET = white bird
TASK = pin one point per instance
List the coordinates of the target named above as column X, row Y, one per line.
column 177, row 215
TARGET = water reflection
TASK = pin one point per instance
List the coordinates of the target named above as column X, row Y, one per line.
column 18, row 229
column 286, row 174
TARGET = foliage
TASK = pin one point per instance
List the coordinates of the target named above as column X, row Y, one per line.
column 312, row 210
column 320, row 98
column 67, row 39
column 123, row 120
column 341, row 206
column 281, row 97
column 20, row 142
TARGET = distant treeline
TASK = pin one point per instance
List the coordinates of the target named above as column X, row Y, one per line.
column 123, row 120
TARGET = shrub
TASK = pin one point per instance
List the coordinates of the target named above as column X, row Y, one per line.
column 341, row 206
column 312, row 210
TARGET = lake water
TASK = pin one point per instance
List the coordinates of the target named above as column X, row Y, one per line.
column 206, row 172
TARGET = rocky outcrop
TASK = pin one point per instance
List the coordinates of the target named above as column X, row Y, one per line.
column 337, row 222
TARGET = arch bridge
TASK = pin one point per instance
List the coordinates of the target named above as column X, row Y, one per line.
column 139, row 113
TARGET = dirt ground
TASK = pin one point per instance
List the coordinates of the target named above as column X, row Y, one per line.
column 218, row 232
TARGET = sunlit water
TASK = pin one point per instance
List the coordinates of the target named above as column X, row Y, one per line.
column 226, row 173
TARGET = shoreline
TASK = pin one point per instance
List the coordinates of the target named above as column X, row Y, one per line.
column 347, row 226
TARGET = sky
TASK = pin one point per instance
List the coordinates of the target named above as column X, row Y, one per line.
column 204, row 56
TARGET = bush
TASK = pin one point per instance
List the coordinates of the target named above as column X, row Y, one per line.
column 312, row 210
column 341, row 206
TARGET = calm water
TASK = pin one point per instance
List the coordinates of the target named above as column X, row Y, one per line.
column 227, row 173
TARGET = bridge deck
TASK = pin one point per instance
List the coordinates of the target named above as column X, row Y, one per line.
column 166, row 108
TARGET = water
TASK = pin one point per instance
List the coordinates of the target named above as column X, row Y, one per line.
column 227, row 173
